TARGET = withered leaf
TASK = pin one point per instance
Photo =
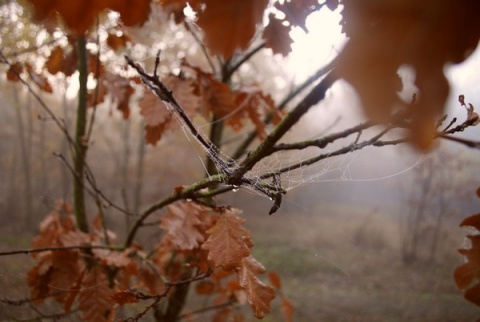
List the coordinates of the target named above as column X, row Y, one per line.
column 277, row 35
column 181, row 224
column 124, row 297
column 259, row 295
column 95, row 297
column 230, row 25
column 228, row 241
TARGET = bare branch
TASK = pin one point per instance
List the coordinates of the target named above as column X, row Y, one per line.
column 59, row 248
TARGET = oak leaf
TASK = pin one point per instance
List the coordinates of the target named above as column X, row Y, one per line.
column 14, row 71
column 228, row 241
column 151, row 279
column 287, row 309
column 277, row 36
column 255, row 105
column 230, row 25
column 80, row 15
column 158, row 115
column 66, row 269
column 259, row 295
column 116, row 41
column 55, row 61
column 205, row 288
column 40, row 80
column 387, row 34
column 39, row 276
column 297, row 11
column 124, row 297
column 182, row 226
column 95, row 297
column 467, row 276
column 275, row 280
column 217, row 97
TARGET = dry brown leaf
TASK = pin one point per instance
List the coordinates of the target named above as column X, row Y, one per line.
column 117, row 42
column 66, row 269
column 39, row 276
column 80, row 15
column 181, row 224
column 73, row 291
column 230, row 25
column 259, row 295
column 275, row 280
column 14, row 72
column 287, row 309
column 277, row 36
column 296, row 11
column 157, row 115
column 95, row 297
column 387, row 34
column 255, row 105
column 205, row 288
column 467, row 276
column 55, row 61
column 151, row 280
column 39, row 79
column 124, row 297
column 228, row 241
column 222, row 315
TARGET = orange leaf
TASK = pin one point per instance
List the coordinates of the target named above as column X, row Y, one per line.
column 39, row 276
column 296, row 11
column 95, row 298
column 153, row 110
column 116, row 42
column 230, row 25
column 287, row 309
column 277, row 36
column 80, row 15
column 228, row 242
column 259, row 295
column 222, row 315
column 65, row 271
column 131, row 13
column 151, row 280
column 55, row 61
column 255, row 105
column 158, row 118
column 154, row 133
column 205, row 287
column 14, row 72
column 73, row 291
column 467, row 276
column 39, row 79
column 275, row 280
column 218, row 98
column 182, row 226
column 124, row 297
column 472, row 221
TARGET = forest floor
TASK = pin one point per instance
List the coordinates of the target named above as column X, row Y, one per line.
column 337, row 265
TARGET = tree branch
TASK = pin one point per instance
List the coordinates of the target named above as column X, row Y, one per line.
column 59, row 248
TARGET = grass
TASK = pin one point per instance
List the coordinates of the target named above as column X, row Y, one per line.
column 345, row 265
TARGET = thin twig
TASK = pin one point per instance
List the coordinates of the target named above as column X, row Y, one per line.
column 58, row 248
